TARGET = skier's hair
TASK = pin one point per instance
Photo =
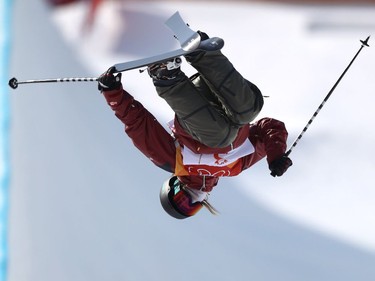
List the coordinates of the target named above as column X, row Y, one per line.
column 209, row 207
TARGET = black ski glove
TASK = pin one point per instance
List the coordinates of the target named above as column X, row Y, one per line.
column 203, row 35
column 279, row 166
column 108, row 82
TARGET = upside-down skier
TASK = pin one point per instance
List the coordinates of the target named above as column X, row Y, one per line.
column 211, row 133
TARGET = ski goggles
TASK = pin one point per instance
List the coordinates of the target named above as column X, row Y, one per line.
column 181, row 200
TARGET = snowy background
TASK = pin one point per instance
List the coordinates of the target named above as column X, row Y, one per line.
column 84, row 202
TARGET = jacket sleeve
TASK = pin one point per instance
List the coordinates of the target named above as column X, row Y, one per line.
column 147, row 134
column 269, row 138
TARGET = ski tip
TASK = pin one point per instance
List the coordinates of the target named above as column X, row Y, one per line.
column 365, row 42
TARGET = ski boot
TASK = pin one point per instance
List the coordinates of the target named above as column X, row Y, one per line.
column 166, row 73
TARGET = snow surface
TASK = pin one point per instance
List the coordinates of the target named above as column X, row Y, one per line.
column 84, row 201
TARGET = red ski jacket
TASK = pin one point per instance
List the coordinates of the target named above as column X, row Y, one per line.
column 267, row 136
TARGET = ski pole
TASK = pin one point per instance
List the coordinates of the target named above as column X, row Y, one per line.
column 364, row 43
column 13, row 83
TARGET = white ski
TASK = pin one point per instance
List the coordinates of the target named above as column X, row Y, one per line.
column 189, row 40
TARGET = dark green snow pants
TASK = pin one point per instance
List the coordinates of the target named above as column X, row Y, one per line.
column 213, row 104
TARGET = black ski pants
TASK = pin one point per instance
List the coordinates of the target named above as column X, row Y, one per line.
column 214, row 103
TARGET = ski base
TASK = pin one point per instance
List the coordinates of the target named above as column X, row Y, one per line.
column 209, row 45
